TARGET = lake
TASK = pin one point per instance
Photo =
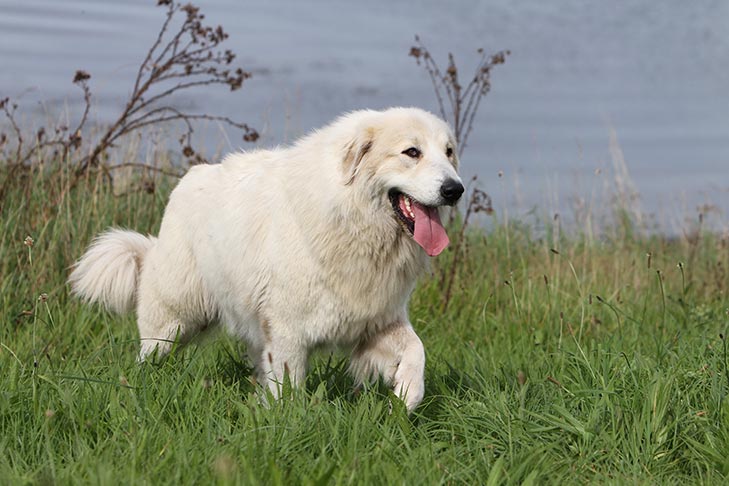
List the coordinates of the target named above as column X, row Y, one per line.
column 655, row 75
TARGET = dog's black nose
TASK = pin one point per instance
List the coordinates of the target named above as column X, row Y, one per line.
column 451, row 191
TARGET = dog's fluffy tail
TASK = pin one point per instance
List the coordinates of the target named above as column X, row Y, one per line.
column 108, row 272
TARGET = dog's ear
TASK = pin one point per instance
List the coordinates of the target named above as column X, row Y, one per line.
column 355, row 152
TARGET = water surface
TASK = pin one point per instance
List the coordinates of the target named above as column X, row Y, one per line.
column 657, row 73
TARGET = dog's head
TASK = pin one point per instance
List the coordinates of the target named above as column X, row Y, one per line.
column 407, row 159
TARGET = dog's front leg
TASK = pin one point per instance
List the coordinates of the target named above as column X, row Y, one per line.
column 279, row 360
column 396, row 353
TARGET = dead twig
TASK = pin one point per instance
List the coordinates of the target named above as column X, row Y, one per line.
column 479, row 202
column 463, row 101
column 182, row 58
column 458, row 105
column 189, row 58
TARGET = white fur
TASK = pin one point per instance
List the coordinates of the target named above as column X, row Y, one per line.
column 289, row 249
column 108, row 271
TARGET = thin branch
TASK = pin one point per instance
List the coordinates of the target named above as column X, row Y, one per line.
column 155, row 44
column 463, row 101
column 139, row 165
column 463, row 106
column 196, row 60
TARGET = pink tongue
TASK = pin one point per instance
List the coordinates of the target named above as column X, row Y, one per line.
column 429, row 232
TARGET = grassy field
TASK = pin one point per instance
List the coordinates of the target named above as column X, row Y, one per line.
column 558, row 359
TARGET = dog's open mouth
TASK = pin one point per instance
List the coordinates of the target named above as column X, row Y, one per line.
column 421, row 221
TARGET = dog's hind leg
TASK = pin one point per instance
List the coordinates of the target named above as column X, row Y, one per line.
column 158, row 331
column 395, row 353
column 171, row 304
column 162, row 325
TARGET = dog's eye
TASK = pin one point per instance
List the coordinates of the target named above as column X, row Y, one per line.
column 412, row 152
column 449, row 151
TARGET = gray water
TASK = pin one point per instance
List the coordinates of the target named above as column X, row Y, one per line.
column 655, row 73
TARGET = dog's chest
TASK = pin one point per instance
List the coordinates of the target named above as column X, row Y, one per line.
column 353, row 305
column 358, row 279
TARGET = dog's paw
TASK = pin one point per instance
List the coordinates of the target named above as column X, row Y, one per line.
column 409, row 386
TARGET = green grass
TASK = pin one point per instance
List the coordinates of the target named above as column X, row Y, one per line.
column 559, row 359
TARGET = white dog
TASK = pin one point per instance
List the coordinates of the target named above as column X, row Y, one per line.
column 294, row 248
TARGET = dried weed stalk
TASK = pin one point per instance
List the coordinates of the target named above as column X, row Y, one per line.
column 458, row 105
column 187, row 59
column 186, row 54
column 478, row 202
column 462, row 102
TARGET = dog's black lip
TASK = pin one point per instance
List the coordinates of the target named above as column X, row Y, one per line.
column 406, row 222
